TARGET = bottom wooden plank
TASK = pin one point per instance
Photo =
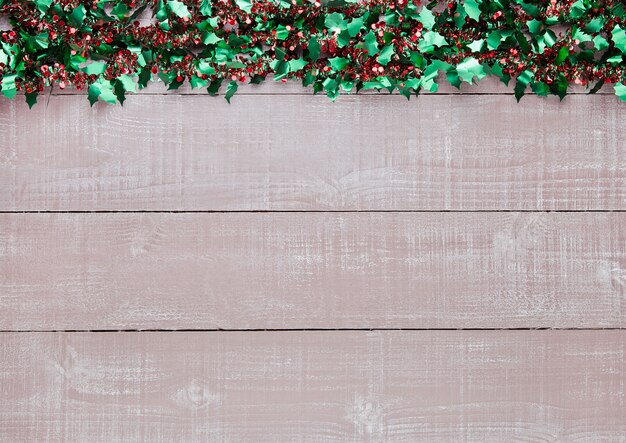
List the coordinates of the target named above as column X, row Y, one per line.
column 392, row 386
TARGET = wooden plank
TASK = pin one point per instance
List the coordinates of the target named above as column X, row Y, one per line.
column 405, row 387
column 304, row 153
column 312, row 270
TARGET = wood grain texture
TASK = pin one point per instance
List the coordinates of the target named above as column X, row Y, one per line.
column 312, row 270
column 405, row 387
column 301, row 152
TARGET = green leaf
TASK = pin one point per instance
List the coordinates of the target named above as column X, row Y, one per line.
column 331, row 87
column 618, row 35
column 430, row 40
column 600, row 43
column 205, row 7
column 101, row 90
column 427, row 18
column 338, row 63
column 179, row 9
column 244, row 5
column 31, row 99
column 578, row 9
column 336, row 22
column 620, row 91
column 371, row 45
column 470, row 68
column 355, row 26
column 78, row 15
column 43, row 5
column 95, row 68
column 561, row 55
column 472, row 8
column 535, row 26
column 9, row 89
column 210, row 38
column 385, row 55
column 522, row 82
column 494, row 39
column 477, row 45
column 230, row 90
column 127, row 83
column 297, row 64
column 281, row 32
column 595, row 25
column 314, row 49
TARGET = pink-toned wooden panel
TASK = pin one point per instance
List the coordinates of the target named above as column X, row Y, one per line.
column 312, row 270
column 302, row 152
column 404, row 387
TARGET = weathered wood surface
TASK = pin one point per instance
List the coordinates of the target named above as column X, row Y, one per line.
column 312, row 270
column 435, row 386
column 303, row 153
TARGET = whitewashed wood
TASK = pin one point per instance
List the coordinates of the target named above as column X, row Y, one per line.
column 301, row 152
column 404, row 387
column 312, row 270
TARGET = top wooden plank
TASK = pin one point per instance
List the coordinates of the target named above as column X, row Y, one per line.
column 439, row 152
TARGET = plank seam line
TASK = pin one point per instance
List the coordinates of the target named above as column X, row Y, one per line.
column 304, row 94
column 16, row 331
column 323, row 211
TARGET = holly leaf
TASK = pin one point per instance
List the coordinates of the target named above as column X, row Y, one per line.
column 43, row 5
column 618, row 35
column 355, row 26
column 477, row 45
column 522, row 82
column 31, row 99
column 494, row 39
column 8, row 85
column 472, row 8
column 430, row 40
column 371, row 45
column 335, row 22
column 78, row 15
column 314, row 49
column 470, row 68
column 338, row 63
column 244, row 5
column 620, row 91
column 179, row 9
column 297, row 64
column 427, row 18
column 230, row 90
column 95, row 68
column 600, row 43
column 127, row 83
column 205, row 7
column 385, row 55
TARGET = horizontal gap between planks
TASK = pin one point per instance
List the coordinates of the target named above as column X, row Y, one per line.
column 324, row 211
column 300, row 330
column 304, row 94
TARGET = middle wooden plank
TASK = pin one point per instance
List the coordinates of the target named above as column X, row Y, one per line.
column 312, row 270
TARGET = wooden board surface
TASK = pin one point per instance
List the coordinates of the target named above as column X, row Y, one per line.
column 303, row 153
column 277, row 148
column 312, row 270
column 437, row 386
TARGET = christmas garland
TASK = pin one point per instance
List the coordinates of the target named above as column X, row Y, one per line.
column 111, row 48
